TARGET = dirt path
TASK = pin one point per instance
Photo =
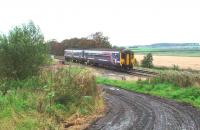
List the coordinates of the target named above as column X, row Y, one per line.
column 128, row 110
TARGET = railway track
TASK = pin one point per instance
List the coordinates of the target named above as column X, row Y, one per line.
column 142, row 72
column 135, row 71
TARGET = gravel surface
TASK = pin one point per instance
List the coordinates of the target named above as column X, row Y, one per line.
column 133, row 111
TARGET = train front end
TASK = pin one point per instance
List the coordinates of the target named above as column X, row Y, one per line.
column 127, row 59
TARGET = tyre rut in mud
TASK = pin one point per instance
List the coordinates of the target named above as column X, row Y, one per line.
column 134, row 111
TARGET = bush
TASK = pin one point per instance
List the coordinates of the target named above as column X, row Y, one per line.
column 22, row 52
column 175, row 67
column 147, row 62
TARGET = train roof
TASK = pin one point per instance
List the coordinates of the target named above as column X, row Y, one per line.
column 93, row 51
column 73, row 50
column 98, row 50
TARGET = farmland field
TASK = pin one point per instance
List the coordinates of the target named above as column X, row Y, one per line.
column 183, row 62
column 191, row 51
column 165, row 54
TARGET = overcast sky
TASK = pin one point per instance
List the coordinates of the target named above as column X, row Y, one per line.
column 125, row 22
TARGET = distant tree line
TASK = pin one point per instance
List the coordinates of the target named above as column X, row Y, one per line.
column 96, row 40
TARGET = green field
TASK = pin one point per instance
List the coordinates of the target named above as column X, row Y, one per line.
column 168, row 51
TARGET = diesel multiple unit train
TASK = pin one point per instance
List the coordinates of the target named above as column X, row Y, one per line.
column 114, row 59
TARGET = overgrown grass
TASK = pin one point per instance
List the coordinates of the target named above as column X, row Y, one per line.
column 44, row 101
column 178, row 78
column 166, row 89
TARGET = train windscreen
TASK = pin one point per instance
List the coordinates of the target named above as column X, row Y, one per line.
column 116, row 56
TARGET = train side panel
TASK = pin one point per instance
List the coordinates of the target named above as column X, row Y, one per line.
column 75, row 55
column 98, row 57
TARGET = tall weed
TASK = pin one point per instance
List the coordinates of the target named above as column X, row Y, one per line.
column 181, row 79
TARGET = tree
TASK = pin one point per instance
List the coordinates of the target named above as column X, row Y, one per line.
column 101, row 41
column 56, row 48
column 22, row 52
column 147, row 62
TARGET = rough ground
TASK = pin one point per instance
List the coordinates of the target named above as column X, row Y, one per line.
column 133, row 111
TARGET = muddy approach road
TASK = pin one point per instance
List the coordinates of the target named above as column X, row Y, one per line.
column 133, row 111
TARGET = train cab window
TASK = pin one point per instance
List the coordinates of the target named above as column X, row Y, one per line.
column 123, row 55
